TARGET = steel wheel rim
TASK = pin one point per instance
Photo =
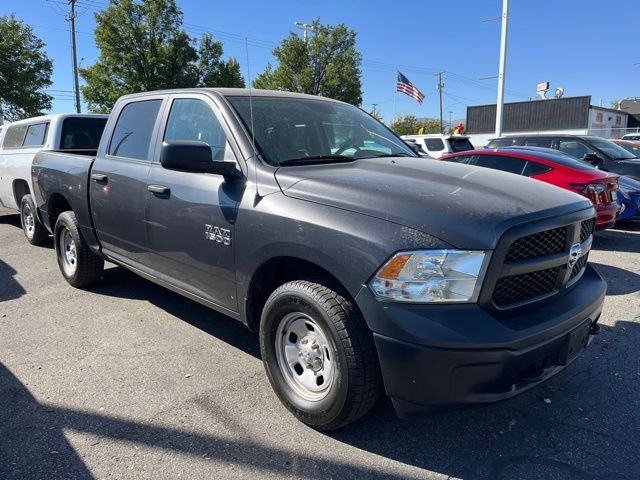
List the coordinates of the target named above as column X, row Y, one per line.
column 28, row 220
column 67, row 251
column 305, row 356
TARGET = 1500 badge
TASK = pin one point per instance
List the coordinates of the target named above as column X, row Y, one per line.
column 217, row 234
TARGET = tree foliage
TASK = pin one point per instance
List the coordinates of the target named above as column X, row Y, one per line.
column 25, row 70
column 143, row 47
column 327, row 64
column 411, row 125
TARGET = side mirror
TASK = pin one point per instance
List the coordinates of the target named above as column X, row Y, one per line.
column 593, row 159
column 192, row 156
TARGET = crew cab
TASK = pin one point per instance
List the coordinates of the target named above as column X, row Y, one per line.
column 21, row 140
column 361, row 268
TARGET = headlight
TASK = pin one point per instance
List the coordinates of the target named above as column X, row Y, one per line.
column 425, row 276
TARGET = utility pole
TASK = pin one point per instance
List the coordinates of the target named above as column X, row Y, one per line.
column 450, row 122
column 76, row 84
column 305, row 27
column 440, row 86
column 502, row 67
column 374, row 105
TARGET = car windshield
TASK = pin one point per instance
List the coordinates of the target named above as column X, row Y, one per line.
column 613, row 151
column 631, row 148
column 294, row 130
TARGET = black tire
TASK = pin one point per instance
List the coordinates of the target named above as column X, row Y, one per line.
column 34, row 231
column 356, row 382
column 86, row 267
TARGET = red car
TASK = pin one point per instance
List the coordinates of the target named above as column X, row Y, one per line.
column 552, row 167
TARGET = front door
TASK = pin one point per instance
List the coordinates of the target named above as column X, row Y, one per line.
column 191, row 216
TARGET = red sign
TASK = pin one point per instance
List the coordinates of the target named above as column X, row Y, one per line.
column 618, row 120
column 599, row 117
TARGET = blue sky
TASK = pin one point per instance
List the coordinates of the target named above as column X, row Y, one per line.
column 586, row 46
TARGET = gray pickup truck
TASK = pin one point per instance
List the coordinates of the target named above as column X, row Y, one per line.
column 361, row 265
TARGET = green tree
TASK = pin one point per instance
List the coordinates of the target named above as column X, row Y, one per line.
column 405, row 125
column 143, row 47
column 430, row 125
column 212, row 70
column 25, row 70
column 327, row 64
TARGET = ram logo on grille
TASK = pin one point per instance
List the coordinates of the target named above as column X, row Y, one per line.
column 574, row 255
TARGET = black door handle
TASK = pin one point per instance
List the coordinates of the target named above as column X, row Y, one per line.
column 100, row 178
column 159, row 190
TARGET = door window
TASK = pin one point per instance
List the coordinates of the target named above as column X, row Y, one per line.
column 193, row 119
column 573, row 147
column 434, row 144
column 132, row 134
column 538, row 142
column 36, row 135
column 500, row 162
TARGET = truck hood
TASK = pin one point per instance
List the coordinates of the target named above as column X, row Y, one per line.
column 465, row 206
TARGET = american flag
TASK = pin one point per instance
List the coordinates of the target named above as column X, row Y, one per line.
column 405, row 86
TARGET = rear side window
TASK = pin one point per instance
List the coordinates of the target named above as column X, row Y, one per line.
column 14, row 136
column 534, row 168
column 574, row 148
column 81, row 133
column 434, row 144
column 504, row 163
column 538, row 142
column 36, row 135
column 502, row 142
column 460, row 144
column 193, row 119
column 132, row 134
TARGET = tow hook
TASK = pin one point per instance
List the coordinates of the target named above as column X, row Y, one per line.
column 594, row 329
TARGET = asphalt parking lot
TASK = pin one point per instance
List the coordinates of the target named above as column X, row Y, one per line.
column 129, row 380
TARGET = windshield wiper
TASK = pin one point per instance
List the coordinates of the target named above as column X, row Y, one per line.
column 388, row 155
column 317, row 159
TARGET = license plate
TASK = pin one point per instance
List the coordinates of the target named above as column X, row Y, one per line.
column 575, row 342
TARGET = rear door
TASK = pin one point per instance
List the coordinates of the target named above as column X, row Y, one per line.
column 118, row 182
column 190, row 224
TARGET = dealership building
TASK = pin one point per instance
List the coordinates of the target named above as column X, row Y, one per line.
column 570, row 115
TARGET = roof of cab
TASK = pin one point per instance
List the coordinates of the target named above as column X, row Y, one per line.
column 234, row 92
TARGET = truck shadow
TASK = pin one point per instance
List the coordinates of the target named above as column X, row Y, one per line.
column 619, row 280
column 576, row 433
column 120, row 282
column 10, row 288
column 617, row 241
column 11, row 219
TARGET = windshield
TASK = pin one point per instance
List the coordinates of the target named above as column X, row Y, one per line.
column 290, row 130
column 613, row 151
column 631, row 148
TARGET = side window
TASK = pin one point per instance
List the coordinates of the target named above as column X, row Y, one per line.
column 193, row 119
column 466, row 159
column 534, row 168
column 573, row 147
column 434, row 144
column 14, row 136
column 80, row 133
column 132, row 134
column 36, row 135
column 504, row 163
column 502, row 142
column 538, row 142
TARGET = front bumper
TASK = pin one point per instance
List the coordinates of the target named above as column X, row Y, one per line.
column 447, row 355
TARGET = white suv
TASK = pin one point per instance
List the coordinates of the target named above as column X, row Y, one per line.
column 437, row 145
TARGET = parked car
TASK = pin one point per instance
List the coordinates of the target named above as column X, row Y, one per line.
column 633, row 147
column 362, row 270
column 628, row 198
column 598, row 151
column 20, row 141
column 555, row 168
column 631, row 136
column 436, row 145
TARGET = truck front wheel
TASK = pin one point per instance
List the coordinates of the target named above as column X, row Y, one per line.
column 319, row 355
column 78, row 264
column 34, row 230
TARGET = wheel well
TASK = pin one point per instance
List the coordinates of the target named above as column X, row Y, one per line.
column 56, row 205
column 278, row 271
column 20, row 189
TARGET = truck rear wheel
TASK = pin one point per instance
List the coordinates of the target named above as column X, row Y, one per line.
column 319, row 355
column 78, row 264
column 35, row 232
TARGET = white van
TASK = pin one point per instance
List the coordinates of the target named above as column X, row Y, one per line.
column 20, row 141
column 437, row 145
